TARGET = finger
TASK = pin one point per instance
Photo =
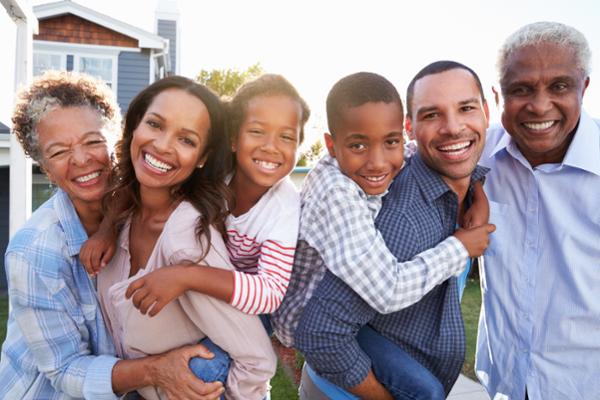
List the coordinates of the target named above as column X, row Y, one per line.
column 490, row 228
column 206, row 390
column 139, row 296
column 158, row 306
column 146, row 303
column 198, row 350
column 108, row 255
column 133, row 286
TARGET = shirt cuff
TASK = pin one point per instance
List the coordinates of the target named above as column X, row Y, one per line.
column 98, row 378
column 459, row 254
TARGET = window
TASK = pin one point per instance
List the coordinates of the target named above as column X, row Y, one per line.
column 101, row 68
column 43, row 62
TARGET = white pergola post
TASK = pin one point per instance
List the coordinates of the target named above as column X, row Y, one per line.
column 20, row 166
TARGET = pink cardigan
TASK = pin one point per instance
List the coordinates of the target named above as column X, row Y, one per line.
column 191, row 317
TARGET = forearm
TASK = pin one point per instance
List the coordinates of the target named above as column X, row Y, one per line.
column 370, row 388
column 214, row 282
column 128, row 375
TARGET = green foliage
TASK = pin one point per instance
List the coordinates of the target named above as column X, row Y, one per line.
column 309, row 157
column 225, row 82
column 470, row 305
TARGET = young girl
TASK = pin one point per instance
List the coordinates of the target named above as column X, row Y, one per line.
column 170, row 199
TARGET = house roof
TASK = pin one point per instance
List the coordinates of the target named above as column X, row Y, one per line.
column 4, row 128
column 145, row 39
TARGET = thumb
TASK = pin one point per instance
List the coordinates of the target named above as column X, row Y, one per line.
column 489, row 228
column 199, row 350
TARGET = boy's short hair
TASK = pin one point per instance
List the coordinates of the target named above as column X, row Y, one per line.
column 355, row 90
column 438, row 67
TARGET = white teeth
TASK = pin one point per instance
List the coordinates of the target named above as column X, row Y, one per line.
column 456, row 146
column 164, row 167
column 88, row 177
column 538, row 126
column 375, row 178
column 266, row 164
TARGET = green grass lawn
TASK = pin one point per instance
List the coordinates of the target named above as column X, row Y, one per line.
column 284, row 388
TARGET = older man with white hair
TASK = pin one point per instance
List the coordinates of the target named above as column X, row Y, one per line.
column 539, row 330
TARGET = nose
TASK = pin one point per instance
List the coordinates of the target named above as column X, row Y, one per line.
column 376, row 160
column 540, row 103
column 269, row 143
column 453, row 124
column 80, row 156
column 162, row 143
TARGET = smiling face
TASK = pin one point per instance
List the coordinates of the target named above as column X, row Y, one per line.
column 368, row 144
column 74, row 153
column 266, row 144
column 170, row 140
column 543, row 92
column 449, row 120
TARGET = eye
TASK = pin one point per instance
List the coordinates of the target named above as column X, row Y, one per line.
column 392, row 142
column 58, row 153
column 93, row 142
column 467, row 108
column 288, row 137
column 560, row 87
column 187, row 141
column 357, row 147
column 430, row 115
column 153, row 124
column 256, row 132
column 519, row 91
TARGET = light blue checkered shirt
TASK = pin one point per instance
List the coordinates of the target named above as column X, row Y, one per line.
column 57, row 346
column 338, row 233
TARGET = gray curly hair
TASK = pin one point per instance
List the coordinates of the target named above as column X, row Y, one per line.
column 546, row 32
column 56, row 89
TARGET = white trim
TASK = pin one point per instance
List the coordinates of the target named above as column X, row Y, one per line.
column 146, row 39
column 115, row 66
column 21, row 10
column 73, row 48
column 4, row 141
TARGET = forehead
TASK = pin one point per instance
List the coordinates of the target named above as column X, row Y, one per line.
column 444, row 88
column 65, row 124
column 541, row 61
column 276, row 103
column 371, row 116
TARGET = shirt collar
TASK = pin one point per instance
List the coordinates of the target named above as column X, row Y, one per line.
column 583, row 153
column 70, row 222
column 431, row 183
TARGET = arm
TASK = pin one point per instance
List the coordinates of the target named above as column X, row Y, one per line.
column 354, row 250
column 99, row 249
column 326, row 335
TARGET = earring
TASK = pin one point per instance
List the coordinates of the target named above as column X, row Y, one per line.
column 199, row 166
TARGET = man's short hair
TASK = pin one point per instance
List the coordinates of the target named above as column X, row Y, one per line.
column 546, row 32
column 438, row 67
column 355, row 90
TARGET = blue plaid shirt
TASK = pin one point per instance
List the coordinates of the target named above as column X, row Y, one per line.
column 57, row 346
column 418, row 213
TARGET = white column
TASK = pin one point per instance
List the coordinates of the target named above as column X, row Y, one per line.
column 20, row 166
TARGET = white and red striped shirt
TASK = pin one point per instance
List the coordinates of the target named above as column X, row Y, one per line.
column 261, row 245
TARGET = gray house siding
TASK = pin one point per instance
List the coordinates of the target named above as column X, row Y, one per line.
column 4, row 200
column 134, row 75
column 168, row 30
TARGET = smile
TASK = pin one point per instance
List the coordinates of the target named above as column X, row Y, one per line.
column 266, row 164
column 88, row 177
column 538, row 126
column 375, row 178
column 156, row 163
column 456, row 148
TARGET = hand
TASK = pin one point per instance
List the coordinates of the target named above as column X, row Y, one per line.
column 158, row 288
column 475, row 240
column 171, row 372
column 479, row 212
column 97, row 251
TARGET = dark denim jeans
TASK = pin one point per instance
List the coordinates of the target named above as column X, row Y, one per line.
column 402, row 375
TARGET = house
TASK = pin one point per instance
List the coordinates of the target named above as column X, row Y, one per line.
column 72, row 37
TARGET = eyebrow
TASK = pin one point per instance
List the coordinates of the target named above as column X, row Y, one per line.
column 471, row 100
column 262, row 123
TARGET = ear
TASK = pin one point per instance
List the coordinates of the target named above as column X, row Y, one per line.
column 329, row 144
column 585, row 85
column 486, row 111
column 408, row 128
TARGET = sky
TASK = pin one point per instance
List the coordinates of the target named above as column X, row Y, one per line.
column 314, row 43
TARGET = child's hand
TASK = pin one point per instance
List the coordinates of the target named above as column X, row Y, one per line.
column 479, row 212
column 97, row 251
column 158, row 288
column 475, row 240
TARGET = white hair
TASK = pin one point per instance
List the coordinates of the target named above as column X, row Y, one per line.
column 546, row 32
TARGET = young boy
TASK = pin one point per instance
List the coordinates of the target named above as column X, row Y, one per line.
column 340, row 199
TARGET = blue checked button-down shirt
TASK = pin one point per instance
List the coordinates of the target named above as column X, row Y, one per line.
column 540, row 325
column 419, row 212
column 337, row 232
column 57, row 346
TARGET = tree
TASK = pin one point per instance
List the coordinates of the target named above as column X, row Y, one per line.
column 309, row 157
column 225, row 82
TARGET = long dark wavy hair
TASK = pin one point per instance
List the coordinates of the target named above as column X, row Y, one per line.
column 205, row 188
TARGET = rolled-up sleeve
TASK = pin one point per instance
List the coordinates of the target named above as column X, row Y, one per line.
column 327, row 330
